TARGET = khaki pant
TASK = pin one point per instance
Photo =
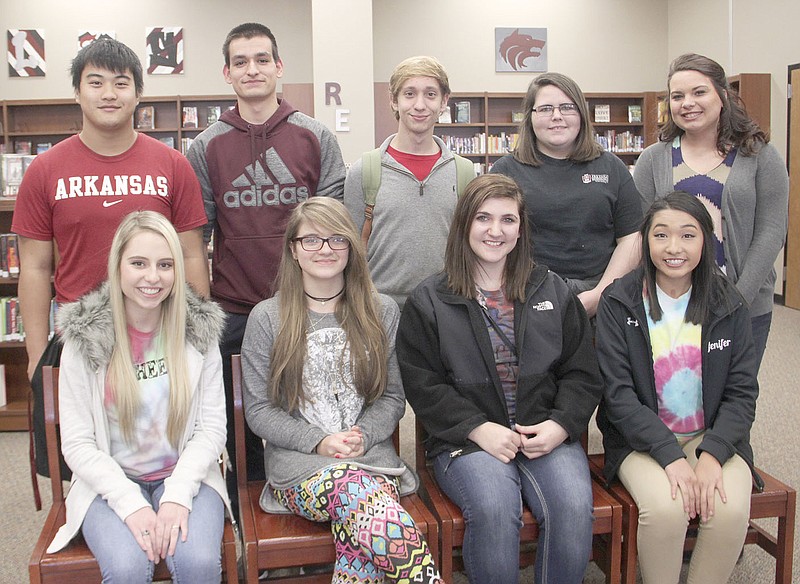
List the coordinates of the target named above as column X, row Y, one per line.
column 663, row 522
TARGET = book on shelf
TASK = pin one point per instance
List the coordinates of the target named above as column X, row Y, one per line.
column 602, row 113
column 12, row 168
column 3, row 396
column 186, row 143
column 446, row 117
column 11, row 328
column 212, row 114
column 11, row 253
column 3, row 256
column 634, row 114
column 517, row 117
column 168, row 140
column 145, row 117
column 43, row 147
column 22, row 146
column 189, row 116
column 663, row 113
column 462, row 112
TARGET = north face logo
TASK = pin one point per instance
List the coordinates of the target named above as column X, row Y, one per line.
column 255, row 187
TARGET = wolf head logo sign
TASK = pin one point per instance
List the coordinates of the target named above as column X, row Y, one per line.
column 517, row 47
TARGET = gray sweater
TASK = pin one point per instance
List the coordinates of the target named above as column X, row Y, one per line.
column 754, row 215
column 410, row 223
column 290, row 453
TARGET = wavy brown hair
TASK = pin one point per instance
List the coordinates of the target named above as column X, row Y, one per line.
column 358, row 312
column 735, row 127
column 586, row 148
column 460, row 262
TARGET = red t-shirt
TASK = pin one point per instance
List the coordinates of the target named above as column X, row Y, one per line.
column 78, row 198
column 420, row 165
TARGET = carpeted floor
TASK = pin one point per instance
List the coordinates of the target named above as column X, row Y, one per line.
column 774, row 438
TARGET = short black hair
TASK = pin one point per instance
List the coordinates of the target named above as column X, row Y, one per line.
column 249, row 30
column 109, row 54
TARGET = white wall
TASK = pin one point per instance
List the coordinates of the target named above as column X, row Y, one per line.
column 205, row 24
column 605, row 45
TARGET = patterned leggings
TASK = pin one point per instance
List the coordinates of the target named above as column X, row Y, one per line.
column 375, row 537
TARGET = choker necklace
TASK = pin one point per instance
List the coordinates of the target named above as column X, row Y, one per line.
column 324, row 300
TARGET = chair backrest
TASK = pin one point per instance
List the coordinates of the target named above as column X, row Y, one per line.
column 238, row 421
column 50, row 401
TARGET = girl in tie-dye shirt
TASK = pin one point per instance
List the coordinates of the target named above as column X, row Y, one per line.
column 676, row 351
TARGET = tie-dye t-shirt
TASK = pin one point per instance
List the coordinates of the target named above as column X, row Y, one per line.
column 677, row 366
column 151, row 457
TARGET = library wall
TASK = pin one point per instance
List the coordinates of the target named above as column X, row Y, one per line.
column 205, row 24
column 604, row 45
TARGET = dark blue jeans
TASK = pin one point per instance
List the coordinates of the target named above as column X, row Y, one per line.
column 557, row 489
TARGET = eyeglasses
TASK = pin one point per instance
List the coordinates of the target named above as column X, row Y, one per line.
column 566, row 109
column 314, row 243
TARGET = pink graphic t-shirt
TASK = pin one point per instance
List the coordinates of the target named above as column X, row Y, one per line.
column 151, row 457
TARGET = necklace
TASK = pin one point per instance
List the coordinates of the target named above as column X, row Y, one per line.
column 324, row 300
column 315, row 324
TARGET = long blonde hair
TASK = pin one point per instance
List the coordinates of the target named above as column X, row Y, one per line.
column 121, row 375
column 358, row 311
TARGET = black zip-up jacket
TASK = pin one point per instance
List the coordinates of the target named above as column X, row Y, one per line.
column 628, row 415
column 449, row 372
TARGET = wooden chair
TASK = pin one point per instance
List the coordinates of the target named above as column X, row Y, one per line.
column 75, row 564
column 276, row 541
column 607, row 527
column 776, row 500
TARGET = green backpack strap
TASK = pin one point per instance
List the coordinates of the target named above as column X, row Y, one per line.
column 370, row 183
column 465, row 172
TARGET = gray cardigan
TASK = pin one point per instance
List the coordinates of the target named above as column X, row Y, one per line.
column 290, row 454
column 755, row 203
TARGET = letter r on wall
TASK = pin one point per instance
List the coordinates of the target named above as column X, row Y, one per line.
column 332, row 90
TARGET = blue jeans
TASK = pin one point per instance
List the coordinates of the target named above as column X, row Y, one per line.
column 761, row 325
column 557, row 489
column 121, row 560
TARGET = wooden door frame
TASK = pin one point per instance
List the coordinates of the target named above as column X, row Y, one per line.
column 791, row 262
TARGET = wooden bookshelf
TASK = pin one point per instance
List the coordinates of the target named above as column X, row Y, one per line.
column 52, row 120
column 490, row 130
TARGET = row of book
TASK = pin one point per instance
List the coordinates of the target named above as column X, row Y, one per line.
column 11, row 327
column 9, row 255
column 602, row 113
column 480, row 143
column 12, row 168
column 26, row 147
column 614, row 141
column 145, row 116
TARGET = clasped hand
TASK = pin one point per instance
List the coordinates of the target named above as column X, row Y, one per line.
column 698, row 485
column 532, row 441
column 157, row 533
column 346, row 444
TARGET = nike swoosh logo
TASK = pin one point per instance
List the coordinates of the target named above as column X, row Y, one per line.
column 109, row 203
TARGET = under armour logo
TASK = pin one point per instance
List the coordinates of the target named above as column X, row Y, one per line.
column 632, row 322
